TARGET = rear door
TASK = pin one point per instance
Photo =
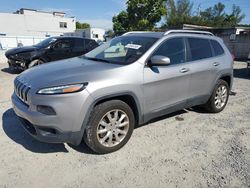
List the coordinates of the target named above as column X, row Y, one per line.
column 203, row 69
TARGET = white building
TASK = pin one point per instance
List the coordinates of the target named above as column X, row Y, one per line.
column 92, row 33
column 30, row 22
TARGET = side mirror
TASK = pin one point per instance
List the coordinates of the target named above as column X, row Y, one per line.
column 159, row 60
column 51, row 47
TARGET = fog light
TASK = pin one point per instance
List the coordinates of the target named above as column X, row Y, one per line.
column 47, row 110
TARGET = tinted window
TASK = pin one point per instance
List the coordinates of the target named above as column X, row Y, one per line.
column 63, row 44
column 78, row 44
column 174, row 49
column 90, row 44
column 218, row 50
column 199, row 48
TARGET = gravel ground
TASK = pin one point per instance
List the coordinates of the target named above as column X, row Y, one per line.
column 203, row 150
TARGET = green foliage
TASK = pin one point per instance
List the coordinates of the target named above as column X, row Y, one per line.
column 180, row 12
column 121, row 23
column 82, row 25
column 140, row 15
column 144, row 14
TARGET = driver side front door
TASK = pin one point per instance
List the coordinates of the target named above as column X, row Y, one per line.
column 61, row 50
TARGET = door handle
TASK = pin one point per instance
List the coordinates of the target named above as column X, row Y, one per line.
column 216, row 64
column 183, row 70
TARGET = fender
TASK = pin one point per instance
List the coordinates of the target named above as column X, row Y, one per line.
column 107, row 97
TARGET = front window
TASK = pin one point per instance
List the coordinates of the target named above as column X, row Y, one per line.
column 121, row 50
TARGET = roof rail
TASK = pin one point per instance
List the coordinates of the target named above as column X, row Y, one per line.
column 189, row 32
column 135, row 32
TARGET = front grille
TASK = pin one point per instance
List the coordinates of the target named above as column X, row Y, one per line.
column 21, row 90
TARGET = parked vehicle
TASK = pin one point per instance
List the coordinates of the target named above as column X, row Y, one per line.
column 127, row 81
column 51, row 49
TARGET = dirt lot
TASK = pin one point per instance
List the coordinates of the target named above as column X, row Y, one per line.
column 203, row 150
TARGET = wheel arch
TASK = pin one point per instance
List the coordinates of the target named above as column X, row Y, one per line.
column 127, row 97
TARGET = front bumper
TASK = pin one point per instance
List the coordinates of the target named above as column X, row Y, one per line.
column 13, row 64
column 64, row 127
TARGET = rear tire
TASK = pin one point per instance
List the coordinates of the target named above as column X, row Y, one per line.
column 218, row 100
column 110, row 126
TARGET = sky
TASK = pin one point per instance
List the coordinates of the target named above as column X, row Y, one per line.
column 99, row 13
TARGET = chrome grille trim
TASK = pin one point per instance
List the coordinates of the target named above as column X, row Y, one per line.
column 21, row 90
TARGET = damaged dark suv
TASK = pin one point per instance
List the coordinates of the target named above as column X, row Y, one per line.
column 50, row 49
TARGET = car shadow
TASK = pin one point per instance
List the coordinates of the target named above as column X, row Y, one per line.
column 242, row 73
column 177, row 113
column 14, row 130
column 11, row 71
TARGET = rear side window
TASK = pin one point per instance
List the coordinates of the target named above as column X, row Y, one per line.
column 174, row 49
column 218, row 50
column 199, row 48
column 79, row 44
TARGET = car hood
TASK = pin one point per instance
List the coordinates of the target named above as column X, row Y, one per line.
column 18, row 50
column 69, row 71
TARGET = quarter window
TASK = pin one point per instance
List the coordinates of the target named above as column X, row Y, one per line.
column 174, row 49
column 218, row 50
column 199, row 48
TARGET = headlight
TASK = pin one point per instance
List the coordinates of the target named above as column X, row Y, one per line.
column 62, row 89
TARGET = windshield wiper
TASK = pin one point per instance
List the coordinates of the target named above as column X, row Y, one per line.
column 97, row 59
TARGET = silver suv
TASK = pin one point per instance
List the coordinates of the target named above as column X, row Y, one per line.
column 101, row 96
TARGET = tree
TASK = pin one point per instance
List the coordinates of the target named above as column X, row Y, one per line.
column 140, row 15
column 214, row 16
column 144, row 14
column 178, row 13
column 121, row 23
column 235, row 17
column 82, row 25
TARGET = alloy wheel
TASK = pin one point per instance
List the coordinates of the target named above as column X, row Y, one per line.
column 113, row 128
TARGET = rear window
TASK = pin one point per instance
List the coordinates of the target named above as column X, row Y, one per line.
column 218, row 50
column 199, row 48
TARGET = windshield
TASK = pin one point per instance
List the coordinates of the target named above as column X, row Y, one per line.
column 46, row 42
column 121, row 50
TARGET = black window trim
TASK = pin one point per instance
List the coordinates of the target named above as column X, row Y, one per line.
column 170, row 65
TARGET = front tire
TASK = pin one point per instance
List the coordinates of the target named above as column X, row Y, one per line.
column 219, row 97
column 110, row 126
column 35, row 63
